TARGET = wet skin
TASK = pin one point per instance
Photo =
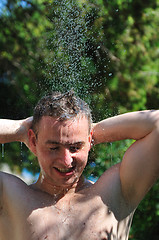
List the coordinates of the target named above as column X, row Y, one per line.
column 62, row 151
column 32, row 214
column 61, row 205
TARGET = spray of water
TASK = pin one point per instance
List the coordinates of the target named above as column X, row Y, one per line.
column 68, row 65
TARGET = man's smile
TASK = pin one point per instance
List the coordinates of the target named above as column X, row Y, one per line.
column 65, row 170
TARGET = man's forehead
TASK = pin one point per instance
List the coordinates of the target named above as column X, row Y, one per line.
column 75, row 126
column 63, row 122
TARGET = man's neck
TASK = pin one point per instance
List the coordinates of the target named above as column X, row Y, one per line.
column 58, row 191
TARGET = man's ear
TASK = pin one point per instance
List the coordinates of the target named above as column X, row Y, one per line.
column 32, row 141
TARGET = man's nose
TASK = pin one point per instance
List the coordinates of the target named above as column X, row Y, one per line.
column 67, row 157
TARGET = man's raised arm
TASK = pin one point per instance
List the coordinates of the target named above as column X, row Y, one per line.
column 133, row 125
column 14, row 130
column 11, row 131
column 139, row 168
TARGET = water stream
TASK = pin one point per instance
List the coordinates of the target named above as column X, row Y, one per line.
column 70, row 67
column 2, row 150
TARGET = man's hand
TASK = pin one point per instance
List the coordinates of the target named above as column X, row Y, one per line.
column 23, row 130
column 15, row 130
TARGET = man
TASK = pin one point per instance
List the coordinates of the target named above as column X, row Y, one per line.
column 62, row 205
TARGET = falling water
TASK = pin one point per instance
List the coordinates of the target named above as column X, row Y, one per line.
column 2, row 150
column 21, row 151
column 68, row 65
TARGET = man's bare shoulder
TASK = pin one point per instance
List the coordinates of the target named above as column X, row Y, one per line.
column 106, row 185
column 111, row 177
column 12, row 188
column 10, row 179
column 109, row 188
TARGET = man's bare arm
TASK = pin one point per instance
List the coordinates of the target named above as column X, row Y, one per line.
column 140, row 166
column 133, row 125
column 14, row 130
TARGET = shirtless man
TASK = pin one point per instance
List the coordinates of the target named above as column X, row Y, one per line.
column 62, row 205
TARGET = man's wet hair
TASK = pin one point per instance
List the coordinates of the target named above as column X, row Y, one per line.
column 63, row 106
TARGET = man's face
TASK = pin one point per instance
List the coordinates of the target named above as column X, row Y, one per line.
column 62, row 149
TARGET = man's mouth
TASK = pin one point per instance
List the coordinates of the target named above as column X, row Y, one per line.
column 65, row 170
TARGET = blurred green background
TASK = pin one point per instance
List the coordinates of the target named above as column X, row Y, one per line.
column 107, row 51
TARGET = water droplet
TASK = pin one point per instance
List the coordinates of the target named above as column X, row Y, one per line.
column 2, row 150
column 21, row 151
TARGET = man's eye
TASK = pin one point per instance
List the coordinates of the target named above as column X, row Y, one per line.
column 54, row 148
column 74, row 149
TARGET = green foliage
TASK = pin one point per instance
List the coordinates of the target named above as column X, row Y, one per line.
column 105, row 155
column 146, row 219
column 106, row 50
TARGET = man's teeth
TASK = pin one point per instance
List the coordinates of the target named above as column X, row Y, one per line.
column 64, row 170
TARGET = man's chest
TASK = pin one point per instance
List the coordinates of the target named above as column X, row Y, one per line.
column 81, row 216
column 83, row 220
